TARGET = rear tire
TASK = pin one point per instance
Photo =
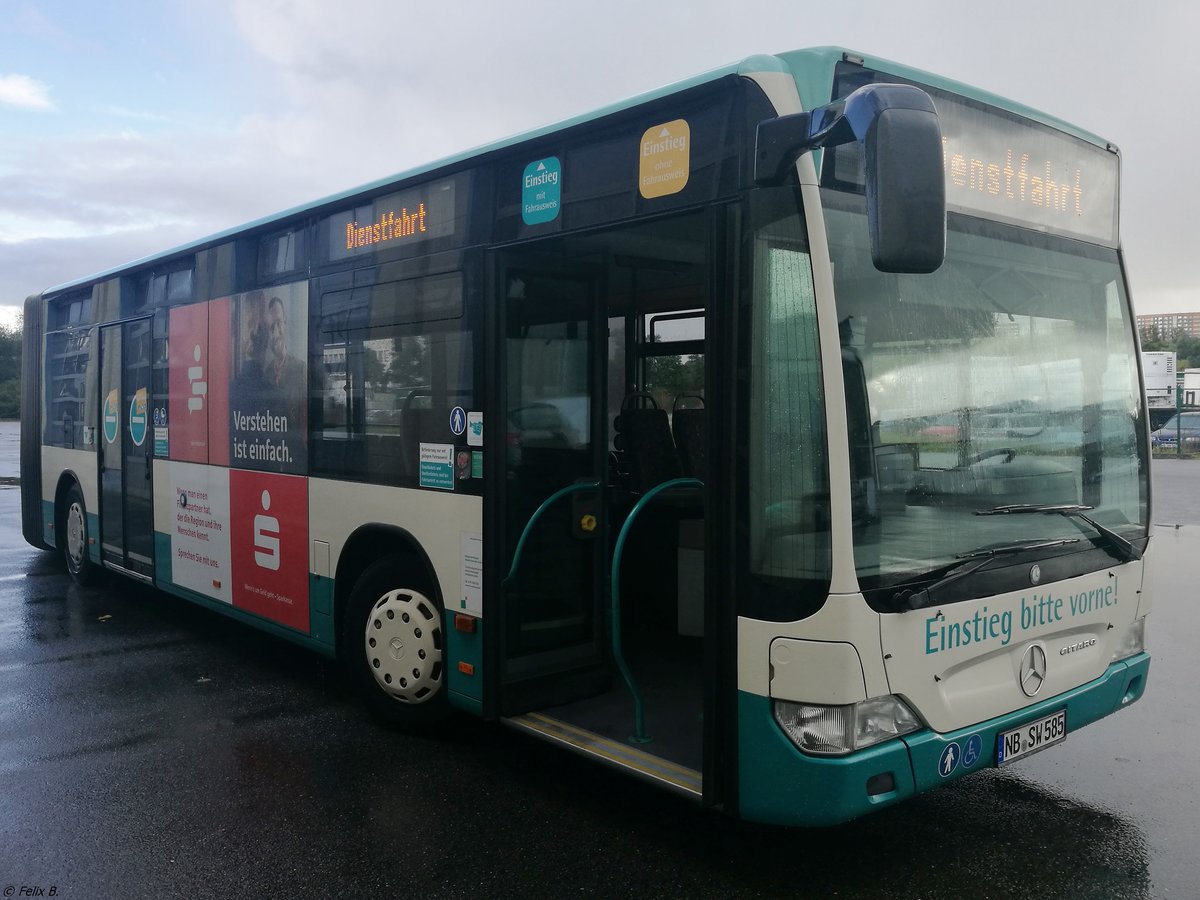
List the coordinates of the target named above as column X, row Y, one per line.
column 392, row 644
column 73, row 538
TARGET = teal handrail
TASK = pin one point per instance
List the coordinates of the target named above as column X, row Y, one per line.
column 639, row 715
column 549, row 501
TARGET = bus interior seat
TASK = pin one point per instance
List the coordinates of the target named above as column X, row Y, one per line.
column 689, row 425
column 644, row 439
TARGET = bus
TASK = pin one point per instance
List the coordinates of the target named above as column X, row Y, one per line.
column 777, row 437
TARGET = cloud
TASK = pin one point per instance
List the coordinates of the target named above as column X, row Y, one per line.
column 140, row 115
column 33, row 25
column 70, row 207
column 23, row 92
column 333, row 105
column 423, row 82
column 321, row 101
column 32, row 266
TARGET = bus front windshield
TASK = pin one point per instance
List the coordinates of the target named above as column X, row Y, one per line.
column 1006, row 382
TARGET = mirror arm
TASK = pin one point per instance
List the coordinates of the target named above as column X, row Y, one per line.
column 779, row 142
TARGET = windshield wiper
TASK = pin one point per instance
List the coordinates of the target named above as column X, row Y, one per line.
column 1122, row 547
column 976, row 560
column 1017, row 508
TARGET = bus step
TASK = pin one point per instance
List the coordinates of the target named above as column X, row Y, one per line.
column 627, row 758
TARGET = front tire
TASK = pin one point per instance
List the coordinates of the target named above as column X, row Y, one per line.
column 74, row 538
column 393, row 645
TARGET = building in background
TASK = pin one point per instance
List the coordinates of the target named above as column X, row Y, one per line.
column 1164, row 326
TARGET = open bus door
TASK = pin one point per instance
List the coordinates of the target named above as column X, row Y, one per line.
column 552, row 494
column 605, row 633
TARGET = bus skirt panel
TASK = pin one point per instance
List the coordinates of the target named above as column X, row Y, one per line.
column 781, row 785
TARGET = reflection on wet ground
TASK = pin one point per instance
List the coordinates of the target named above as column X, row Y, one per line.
column 10, row 454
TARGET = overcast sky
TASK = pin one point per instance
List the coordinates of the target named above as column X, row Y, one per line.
column 131, row 127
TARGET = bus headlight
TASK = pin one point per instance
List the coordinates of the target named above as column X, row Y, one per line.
column 1132, row 642
column 836, row 730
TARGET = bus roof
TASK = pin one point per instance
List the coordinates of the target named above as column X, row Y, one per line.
column 812, row 70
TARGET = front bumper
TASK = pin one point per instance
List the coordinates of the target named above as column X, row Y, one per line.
column 779, row 784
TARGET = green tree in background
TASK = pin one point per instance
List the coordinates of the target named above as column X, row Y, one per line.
column 667, row 377
column 1186, row 347
column 10, row 372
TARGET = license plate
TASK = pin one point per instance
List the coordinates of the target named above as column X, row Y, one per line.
column 1031, row 737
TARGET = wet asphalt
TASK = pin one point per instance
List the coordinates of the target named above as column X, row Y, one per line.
column 149, row 748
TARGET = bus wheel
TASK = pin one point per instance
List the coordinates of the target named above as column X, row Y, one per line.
column 392, row 642
column 75, row 538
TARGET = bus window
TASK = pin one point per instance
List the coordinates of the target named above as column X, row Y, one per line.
column 789, row 513
column 674, row 353
column 380, row 392
column 674, row 377
column 68, row 354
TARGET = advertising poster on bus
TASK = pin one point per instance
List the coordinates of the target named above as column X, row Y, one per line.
column 189, row 368
column 268, row 389
column 269, row 515
column 196, row 428
column 199, row 528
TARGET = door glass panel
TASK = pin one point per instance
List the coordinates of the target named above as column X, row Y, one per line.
column 549, row 445
column 138, row 446
column 112, row 447
column 126, row 447
column 615, row 377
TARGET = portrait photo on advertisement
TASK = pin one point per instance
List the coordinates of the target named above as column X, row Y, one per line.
column 268, row 392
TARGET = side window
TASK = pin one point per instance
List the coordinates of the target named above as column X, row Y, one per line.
column 68, row 355
column 166, row 289
column 393, row 361
column 71, row 311
column 179, row 286
column 282, row 254
column 789, row 513
column 674, row 352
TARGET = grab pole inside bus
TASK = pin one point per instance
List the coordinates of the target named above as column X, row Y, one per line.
column 639, row 720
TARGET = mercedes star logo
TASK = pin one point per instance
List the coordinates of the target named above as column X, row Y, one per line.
column 1033, row 670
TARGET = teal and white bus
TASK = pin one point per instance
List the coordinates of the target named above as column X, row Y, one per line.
column 777, row 436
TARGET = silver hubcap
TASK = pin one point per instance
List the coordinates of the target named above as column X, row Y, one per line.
column 76, row 536
column 404, row 646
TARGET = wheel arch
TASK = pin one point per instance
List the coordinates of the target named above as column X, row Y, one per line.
column 66, row 479
column 372, row 542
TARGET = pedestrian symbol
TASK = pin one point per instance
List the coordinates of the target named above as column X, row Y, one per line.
column 458, row 420
column 949, row 760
